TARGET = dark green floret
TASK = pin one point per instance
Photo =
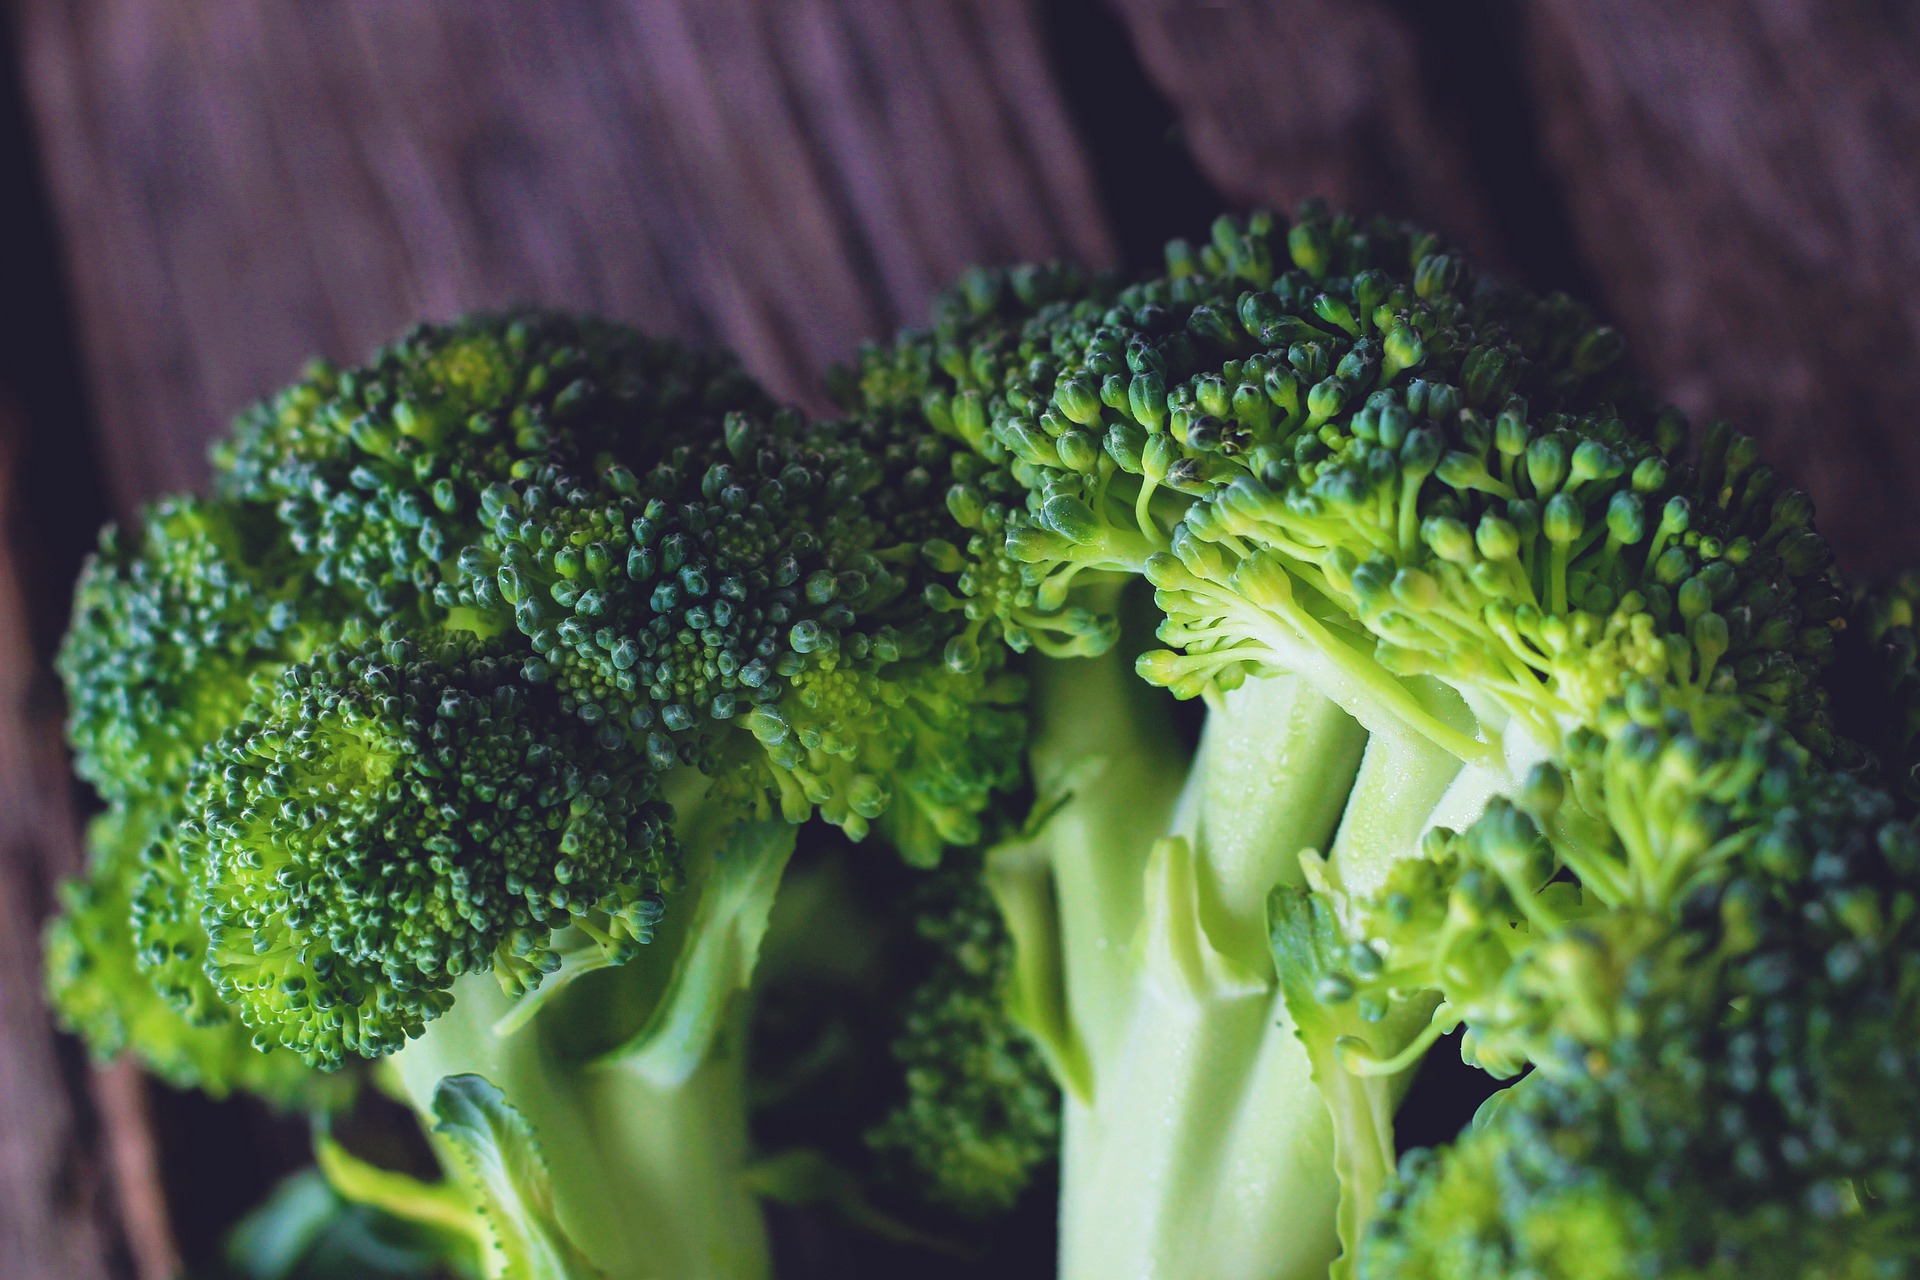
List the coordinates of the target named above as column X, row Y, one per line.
column 378, row 472
column 382, row 822
column 1733, row 1101
column 980, row 1113
column 754, row 606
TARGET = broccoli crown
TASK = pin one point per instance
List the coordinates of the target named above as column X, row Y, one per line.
column 1729, row 1110
column 385, row 821
column 754, row 606
column 981, row 1113
column 1304, row 433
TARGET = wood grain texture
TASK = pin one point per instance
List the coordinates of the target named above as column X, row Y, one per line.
column 58, row 1214
column 1742, row 179
column 1284, row 99
column 242, row 183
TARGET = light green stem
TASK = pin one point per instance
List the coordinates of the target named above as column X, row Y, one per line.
column 1104, row 745
column 1401, row 783
column 1202, row 1148
column 646, row 1180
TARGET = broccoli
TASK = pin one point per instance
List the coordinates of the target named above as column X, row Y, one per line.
column 468, row 726
column 1423, row 549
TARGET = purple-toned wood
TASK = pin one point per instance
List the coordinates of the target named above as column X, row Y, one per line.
column 60, row 1217
column 1742, row 179
column 242, row 184
column 1284, row 99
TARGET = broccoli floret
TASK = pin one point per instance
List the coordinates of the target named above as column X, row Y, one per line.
column 171, row 625
column 388, row 820
column 980, row 1113
column 97, row 986
column 378, row 473
column 753, row 607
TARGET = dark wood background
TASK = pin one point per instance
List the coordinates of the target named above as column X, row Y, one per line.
column 199, row 194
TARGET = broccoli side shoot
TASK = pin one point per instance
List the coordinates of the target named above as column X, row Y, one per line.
column 980, row 1113
column 1728, row 1097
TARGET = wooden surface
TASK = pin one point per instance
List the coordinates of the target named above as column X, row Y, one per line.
column 243, row 183
column 1745, row 182
column 246, row 182
column 1284, row 99
column 59, row 1219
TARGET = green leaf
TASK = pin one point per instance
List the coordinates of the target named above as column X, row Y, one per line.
column 508, row 1175
column 1021, row 881
column 1307, row 948
column 442, row 1208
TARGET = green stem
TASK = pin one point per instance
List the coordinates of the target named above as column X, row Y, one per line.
column 646, row 1180
column 1271, row 775
column 1402, row 780
column 1104, row 745
column 1201, row 1148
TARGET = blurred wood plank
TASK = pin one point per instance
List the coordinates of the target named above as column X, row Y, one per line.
column 59, row 1216
column 1284, row 99
column 1742, row 180
column 244, row 183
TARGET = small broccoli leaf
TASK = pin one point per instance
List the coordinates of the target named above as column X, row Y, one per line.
column 1307, row 948
column 444, row 1209
column 510, row 1178
column 1180, row 957
column 728, row 924
column 1021, row 881
column 309, row 1230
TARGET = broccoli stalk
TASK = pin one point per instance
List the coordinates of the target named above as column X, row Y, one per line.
column 1184, row 1154
column 1197, row 1143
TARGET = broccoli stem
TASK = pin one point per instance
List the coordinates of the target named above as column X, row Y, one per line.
column 1201, row 1146
column 1199, row 1141
column 646, row 1179
column 1402, row 782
